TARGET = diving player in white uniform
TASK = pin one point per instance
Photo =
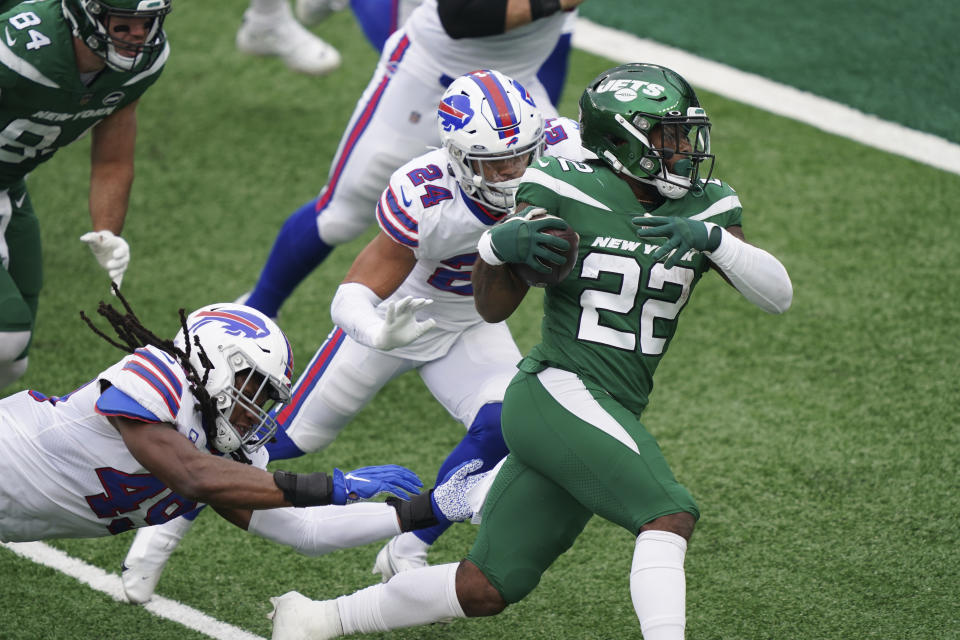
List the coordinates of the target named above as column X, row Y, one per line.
column 418, row 62
column 407, row 303
column 180, row 422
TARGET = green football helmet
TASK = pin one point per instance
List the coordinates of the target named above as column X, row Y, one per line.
column 90, row 21
column 627, row 106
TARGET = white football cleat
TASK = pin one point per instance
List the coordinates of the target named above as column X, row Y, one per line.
column 310, row 12
column 401, row 553
column 148, row 555
column 297, row 617
column 281, row 35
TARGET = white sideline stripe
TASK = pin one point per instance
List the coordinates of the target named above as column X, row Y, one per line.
column 771, row 96
column 110, row 584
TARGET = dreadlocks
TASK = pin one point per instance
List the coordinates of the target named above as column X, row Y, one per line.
column 134, row 335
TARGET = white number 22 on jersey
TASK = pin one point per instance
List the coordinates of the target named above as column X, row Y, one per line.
column 592, row 301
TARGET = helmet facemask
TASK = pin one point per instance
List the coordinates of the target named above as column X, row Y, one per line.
column 96, row 23
column 249, row 400
column 676, row 156
column 474, row 167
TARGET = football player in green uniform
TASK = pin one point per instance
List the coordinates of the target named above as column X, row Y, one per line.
column 66, row 67
column 651, row 221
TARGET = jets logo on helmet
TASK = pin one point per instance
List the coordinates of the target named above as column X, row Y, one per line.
column 234, row 323
column 627, row 90
column 454, row 112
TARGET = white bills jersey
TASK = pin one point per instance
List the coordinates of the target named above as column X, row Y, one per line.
column 518, row 53
column 65, row 470
column 425, row 209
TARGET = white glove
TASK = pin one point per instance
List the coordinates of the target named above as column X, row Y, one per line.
column 112, row 252
column 449, row 498
column 400, row 327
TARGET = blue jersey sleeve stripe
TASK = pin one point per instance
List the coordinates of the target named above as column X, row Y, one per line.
column 401, row 216
column 163, row 369
column 391, row 229
column 114, row 402
column 173, row 404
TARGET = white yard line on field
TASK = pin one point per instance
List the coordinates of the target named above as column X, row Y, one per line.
column 771, row 96
column 109, row 584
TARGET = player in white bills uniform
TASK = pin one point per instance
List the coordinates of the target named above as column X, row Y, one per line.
column 145, row 441
column 407, row 302
column 418, row 62
column 431, row 216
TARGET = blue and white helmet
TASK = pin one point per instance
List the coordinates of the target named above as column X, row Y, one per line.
column 250, row 366
column 483, row 116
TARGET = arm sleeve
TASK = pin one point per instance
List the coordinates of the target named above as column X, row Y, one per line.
column 314, row 531
column 759, row 276
column 354, row 309
column 472, row 18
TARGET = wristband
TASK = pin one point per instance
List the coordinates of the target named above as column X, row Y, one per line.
column 542, row 8
column 485, row 249
column 415, row 513
column 304, row 489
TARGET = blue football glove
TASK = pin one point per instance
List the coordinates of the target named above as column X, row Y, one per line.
column 366, row 482
column 449, row 498
column 682, row 234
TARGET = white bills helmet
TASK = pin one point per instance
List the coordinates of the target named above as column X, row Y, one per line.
column 248, row 369
column 486, row 116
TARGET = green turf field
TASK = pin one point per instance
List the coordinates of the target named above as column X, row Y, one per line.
column 883, row 57
column 821, row 445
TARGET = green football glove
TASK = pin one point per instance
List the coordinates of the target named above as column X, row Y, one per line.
column 682, row 234
column 521, row 239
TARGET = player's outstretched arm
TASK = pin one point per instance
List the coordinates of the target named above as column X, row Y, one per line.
column 221, row 482
column 376, row 273
column 196, row 475
column 318, row 530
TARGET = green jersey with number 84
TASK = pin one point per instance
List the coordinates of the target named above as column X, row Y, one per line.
column 612, row 319
column 44, row 105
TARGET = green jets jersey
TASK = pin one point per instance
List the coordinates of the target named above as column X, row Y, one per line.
column 613, row 318
column 44, row 105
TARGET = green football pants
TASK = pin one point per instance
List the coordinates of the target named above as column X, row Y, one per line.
column 20, row 252
column 574, row 451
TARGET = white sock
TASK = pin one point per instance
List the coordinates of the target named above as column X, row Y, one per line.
column 408, row 544
column 410, row 598
column 658, row 585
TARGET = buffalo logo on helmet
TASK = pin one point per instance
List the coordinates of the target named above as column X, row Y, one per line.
column 233, row 322
column 455, row 112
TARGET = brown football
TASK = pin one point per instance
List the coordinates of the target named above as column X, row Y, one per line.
column 558, row 272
